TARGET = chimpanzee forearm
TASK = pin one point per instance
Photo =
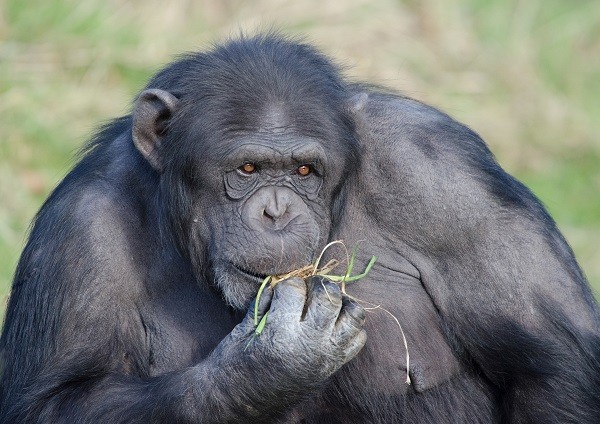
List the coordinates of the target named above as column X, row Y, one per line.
column 200, row 394
column 247, row 378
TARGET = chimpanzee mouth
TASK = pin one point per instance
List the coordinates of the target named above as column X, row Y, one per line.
column 249, row 274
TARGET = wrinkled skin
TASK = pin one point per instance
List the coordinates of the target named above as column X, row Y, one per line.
column 134, row 301
column 302, row 349
column 276, row 219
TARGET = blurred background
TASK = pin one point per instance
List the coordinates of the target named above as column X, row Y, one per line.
column 524, row 74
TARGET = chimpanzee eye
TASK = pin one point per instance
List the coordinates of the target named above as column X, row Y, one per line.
column 248, row 168
column 304, row 170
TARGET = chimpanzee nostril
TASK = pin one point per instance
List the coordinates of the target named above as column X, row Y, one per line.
column 275, row 210
column 267, row 215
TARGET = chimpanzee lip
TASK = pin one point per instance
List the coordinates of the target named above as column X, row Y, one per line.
column 248, row 273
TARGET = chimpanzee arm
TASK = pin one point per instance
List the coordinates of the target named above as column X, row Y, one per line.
column 504, row 281
column 75, row 346
column 248, row 378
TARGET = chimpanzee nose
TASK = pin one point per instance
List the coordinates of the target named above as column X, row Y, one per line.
column 276, row 207
column 272, row 208
column 276, row 212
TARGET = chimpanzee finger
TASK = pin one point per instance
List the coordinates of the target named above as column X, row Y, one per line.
column 253, row 317
column 355, row 345
column 350, row 321
column 323, row 303
column 289, row 297
column 260, row 305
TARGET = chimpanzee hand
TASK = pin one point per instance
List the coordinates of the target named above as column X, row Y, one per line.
column 311, row 331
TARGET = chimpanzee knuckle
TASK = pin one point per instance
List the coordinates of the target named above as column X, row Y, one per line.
column 343, row 333
column 323, row 305
column 355, row 345
column 354, row 308
column 330, row 291
column 352, row 314
column 323, row 287
column 289, row 298
column 295, row 287
column 320, row 317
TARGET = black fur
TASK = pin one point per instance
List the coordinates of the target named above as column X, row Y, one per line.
column 117, row 313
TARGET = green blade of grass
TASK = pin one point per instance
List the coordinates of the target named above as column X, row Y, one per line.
column 258, row 295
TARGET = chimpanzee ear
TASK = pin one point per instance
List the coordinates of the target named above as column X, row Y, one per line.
column 151, row 116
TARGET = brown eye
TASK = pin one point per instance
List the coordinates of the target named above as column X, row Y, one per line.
column 304, row 170
column 248, row 168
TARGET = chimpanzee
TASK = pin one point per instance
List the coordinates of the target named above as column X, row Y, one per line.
column 133, row 300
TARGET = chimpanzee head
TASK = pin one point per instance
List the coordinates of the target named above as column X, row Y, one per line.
column 253, row 143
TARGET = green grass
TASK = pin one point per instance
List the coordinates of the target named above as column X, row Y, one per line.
column 522, row 74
